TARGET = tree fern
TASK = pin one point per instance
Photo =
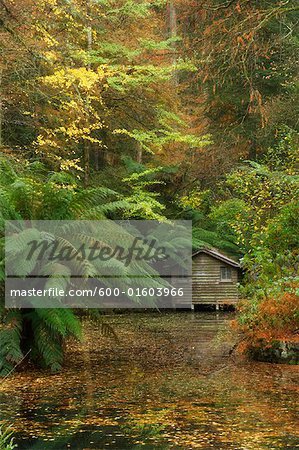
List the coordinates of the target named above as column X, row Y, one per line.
column 31, row 193
column 48, row 328
column 10, row 340
column 47, row 349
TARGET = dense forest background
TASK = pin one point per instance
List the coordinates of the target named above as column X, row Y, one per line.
column 151, row 110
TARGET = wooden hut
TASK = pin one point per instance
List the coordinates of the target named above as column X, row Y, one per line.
column 215, row 278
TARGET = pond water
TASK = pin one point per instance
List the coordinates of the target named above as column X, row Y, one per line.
column 170, row 381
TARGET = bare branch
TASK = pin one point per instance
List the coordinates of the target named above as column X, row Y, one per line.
column 7, row 10
column 223, row 6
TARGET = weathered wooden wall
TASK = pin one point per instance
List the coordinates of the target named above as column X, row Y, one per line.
column 207, row 288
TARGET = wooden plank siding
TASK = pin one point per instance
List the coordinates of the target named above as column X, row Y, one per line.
column 207, row 287
column 186, row 300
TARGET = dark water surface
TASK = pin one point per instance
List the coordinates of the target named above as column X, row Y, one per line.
column 170, row 382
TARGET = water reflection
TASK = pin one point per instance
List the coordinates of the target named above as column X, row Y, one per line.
column 169, row 383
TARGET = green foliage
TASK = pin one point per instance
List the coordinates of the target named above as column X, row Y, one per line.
column 274, row 260
column 59, row 196
column 227, row 214
column 142, row 202
column 49, row 328
column 91, row 92
column 259, row 195
column 152, row 121
column 6, row 439
column 263, row 215
column 247, row 78
column 210, row 228
column 32, row 193
column 282, row 231
column 10, row 340
column 282, row 155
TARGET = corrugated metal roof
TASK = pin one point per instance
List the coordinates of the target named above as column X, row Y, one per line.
column 216, row 254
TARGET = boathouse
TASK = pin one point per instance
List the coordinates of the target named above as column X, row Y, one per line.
column 215, row 278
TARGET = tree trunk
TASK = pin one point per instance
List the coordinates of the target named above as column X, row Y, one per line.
column 173, row 28
column 88, row 32
column 139, row 154
column 252, row 150
column 96, row 160
column 1, row 108
column 89, row 46
column 172, row 19
column 86, row 163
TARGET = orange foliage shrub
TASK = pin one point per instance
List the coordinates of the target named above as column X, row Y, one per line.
column 269, row 320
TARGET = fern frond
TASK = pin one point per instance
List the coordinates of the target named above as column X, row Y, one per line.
column 49, row 347
column 10, row 341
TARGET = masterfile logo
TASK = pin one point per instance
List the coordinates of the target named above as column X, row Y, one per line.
column 96, row 263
